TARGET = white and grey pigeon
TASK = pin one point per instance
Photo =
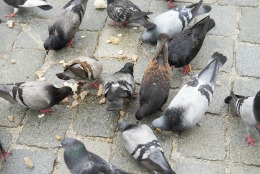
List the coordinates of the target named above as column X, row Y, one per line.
column 192, row 101
column 248, row 108
column 126, row 12
column 65, row 25
column 42, row 4
column 37, row 95
column 174, row 21
column 82, row 68
column 119, row 86
column 143, row 145
column 81, row 161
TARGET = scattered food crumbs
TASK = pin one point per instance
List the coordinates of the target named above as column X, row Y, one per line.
column 114, row 40
column 119, row 35
column 120, row 52
column 218, row 83
column 28, row 162
column 158, row 130
column 102, row 101
column 62, row 61
column 13, row 61
column 100, row 90
column 108, row 41
column 10, row 118
column 40, row 116
column 58, row 137
column 10, row 24
column 75, row 96
column 100, row 4
column 40, row 73
column 75, row 103
column 65, row 100
column 83, row 95
column 134, row 58
column 122, row 57
column 82, row 37
column 134, row 28
column 109, row 140
column 122, row 113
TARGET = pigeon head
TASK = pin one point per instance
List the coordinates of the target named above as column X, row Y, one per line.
column 150, row 36
column 73, row 148
column 53, row 43
column 128, row 68
column 140, row 113
column 65, row 90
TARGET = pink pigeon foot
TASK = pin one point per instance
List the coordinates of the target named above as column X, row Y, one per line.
column 9, row 16
column 70, row 44
column 47, row 111
column 115, row 23
column 186, row 70
column 4, row 153
column 250, row 141
column 257, row 127
column 95, row 85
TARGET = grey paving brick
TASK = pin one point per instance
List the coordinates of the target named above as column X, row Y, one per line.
column 210, row 135
column 42, row 132
column 8, row 37
column 157, row 7
column 249, row 24
column 13, row 110
column 239, row 150
column 224, row 45
column 43, row 161
column 246, row 86
column 243, row 169
column 225, row 19
column 252, row 3
column 27, row 63
column 246, row 64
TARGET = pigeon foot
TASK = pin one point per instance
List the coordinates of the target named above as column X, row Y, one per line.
column 115, row 23
column 9, row 16
column 95, row 85
column 186, row 70
column 257, row 127
column 70, row 44
column 47, row 111
column 4, row 153
column 250, row 141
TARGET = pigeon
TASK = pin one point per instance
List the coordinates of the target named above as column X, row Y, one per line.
column 81, row 161
column 142, row 144
column 4, row 153
column 119, row 86
column 192, row 101
column 248, row 108
column 42, row 4
column 125, row 11
column 82, row 68
column 155, row 86
column 63, row 28
column 174, row 21
column 184, row 46
column 37, row 95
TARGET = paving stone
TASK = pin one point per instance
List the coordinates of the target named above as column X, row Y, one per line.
column 249, row 24
column 224, row 45
column 198, row 167
column 10, row 109
column 8, row 37
column 33, row 35
column 128, row 42
column 27, row 63
column 43, row 162
column 210, row 135
column 239, row 150
column 246, row 86
column 225, row 19
column 217, row 105
column 90, row 114
column 158, row 7
column 252, row 3
column 41, row 132
column 243, row 169
column 246, row 60
column 94, row 18
column 83, row 46
column 195, row 1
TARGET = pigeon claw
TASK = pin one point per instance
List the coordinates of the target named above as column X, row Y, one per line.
column 250, row 141
column 257, row 127
column 186, row 70
column 115, row 23
column 4, row 154
column 47, row 111
column 70, row 44
column 9, row 16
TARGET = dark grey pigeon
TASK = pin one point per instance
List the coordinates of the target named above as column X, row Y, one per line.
column 174, row 21
column 38, row 95
column 43, row 4
column 81, row 161
column 248, row 108
column 192, row 101
column 184, row 46
column 119, row 86
column 82, row 68
column 127, row 12
column 65, row 25
column 143, row 145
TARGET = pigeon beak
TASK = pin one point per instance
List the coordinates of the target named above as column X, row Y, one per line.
column 47, row 51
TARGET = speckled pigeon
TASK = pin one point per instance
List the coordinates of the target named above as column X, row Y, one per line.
column 192, row 101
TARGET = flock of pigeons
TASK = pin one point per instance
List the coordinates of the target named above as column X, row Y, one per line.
column 179, row 34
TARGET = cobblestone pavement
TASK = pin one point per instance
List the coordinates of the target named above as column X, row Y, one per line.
column 217, row 146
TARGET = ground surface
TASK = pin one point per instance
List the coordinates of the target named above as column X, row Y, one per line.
column 217, row 146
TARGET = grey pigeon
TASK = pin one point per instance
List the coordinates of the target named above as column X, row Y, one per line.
column 184, row 46
column 127, row 12
column 82, row 68
column 174, row 21
column 65, row 25
column 43, row 4
column 81, row 161
column 248, row 108
column 38, row 95
column 143, row 145
column 4, row 153
column 155, row 86
column 119, row 86
column 192, row 101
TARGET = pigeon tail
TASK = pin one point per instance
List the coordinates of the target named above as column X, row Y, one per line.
column 63, row 76
column 209, row 73
column 5, row 93
column 144, row 22
column 115, row 104
column 204, row 9
column 195, row 8
column 45, row 7
column 211, row 24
